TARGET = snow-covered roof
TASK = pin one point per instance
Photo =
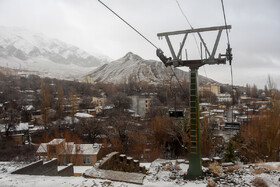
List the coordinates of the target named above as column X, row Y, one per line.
column 68, row 119
column 218, row 111
column 72, row 148
column 82, row 149
column 204, row 112
column 56, row 141
column 86, row 149
column 83, row 115
column 19, row 127
column 204, row 104
column 36, row 128
column 28, row 107
column 42, row 148
column 22, row 127
column 235, row 112
column 129, row 110
column 2, row 128
column 108, row 107
column 205, row 159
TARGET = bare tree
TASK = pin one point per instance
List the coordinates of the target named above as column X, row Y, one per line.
column 120, row 101
column 45, row 102
column 11, row 119
column 73, row 103
column 60, row 102
column 90, row 128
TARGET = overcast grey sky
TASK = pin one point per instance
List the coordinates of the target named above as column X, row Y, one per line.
column 87, row 24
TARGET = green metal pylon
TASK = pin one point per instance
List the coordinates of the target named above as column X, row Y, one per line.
column 195, row 168
column 195, row 165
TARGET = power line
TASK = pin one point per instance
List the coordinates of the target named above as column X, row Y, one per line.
column 128, row 24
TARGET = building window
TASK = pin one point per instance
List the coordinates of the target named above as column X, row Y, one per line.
column 86, row 159
column 66, row 160
column 52, row 149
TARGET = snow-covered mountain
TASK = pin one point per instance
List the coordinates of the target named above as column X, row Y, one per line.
column 131, row 66
column 23, row 49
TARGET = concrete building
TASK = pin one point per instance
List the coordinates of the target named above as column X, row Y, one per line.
column 214, row 88
column 141, row 104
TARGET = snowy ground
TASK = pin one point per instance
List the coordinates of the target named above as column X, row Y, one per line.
column 161, row 173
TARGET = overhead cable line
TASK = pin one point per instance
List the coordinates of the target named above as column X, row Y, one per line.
column 225, row 20
column 184, row 14
column 142, row 37
column 128, row 24
column 174, row 74
column 228, row 49
column 186, row 18
column 229, row 57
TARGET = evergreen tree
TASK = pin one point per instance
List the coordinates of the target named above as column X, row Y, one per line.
column 229, row 152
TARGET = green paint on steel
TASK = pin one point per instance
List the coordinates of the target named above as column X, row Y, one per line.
column 195, row 165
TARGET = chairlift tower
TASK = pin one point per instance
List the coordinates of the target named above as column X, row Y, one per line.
column 195, row 165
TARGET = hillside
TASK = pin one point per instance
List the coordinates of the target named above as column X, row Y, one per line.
column 161, row 173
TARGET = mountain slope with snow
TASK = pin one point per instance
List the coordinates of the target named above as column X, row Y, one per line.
column 132, row 66
column 22, row 49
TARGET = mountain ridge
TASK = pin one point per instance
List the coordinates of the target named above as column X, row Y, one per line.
column 23, row 49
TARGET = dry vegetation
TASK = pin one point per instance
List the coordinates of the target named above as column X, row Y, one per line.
column 216, row 168
column 230, row 169
column 270, row 167
column 258, row 171
column 259, row 182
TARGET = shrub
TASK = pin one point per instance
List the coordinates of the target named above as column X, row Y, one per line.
column 215, row 168
column 259, row 182
column 230, row 169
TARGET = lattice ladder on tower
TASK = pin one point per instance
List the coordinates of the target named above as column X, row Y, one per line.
column 193, row 117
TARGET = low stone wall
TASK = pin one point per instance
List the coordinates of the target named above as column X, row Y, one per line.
column 67, row 171
column 29, row 169
column 207, row 161
column 120, row 162
column 48, row 168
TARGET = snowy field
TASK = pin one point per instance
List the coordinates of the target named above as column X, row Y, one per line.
column 161, row 173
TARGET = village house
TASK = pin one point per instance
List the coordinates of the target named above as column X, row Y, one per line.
column 98, row 101
column 69, row 152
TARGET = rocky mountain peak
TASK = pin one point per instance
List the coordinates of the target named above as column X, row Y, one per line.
column 132, row 65
column 131, row 57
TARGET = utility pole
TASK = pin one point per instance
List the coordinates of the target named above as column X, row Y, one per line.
column 195, row 165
